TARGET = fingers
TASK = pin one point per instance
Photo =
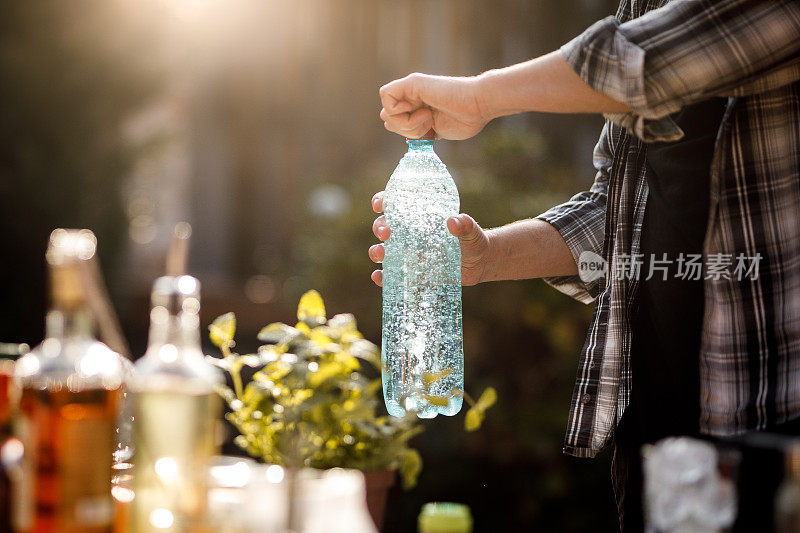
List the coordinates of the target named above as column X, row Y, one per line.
column 380, row 229
column 404, row 112
column 377, row 252
column 377, row 202
column 412, row 125
column 396, row 96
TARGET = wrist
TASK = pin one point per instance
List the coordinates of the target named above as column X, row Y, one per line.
column 498, row 93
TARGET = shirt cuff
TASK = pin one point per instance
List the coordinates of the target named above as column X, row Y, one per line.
column 578, row 241
column 611, row 64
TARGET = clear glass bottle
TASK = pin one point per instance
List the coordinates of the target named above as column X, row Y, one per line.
column 71, row 391
column 422, row 350
column 176, row 409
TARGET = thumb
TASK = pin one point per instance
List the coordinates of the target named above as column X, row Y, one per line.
column 464, row 227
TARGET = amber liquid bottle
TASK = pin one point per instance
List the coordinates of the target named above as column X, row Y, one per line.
column 71, row 388
column 9, row 447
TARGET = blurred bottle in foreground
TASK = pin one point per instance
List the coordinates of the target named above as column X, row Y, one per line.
column 422, row 350
column 175, row 414
column 71, row 388
column 9, row 394
column 688, row 487
column 444, row 518
column 787, row 499
column 10, row 447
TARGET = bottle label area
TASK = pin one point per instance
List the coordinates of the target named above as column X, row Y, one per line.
column 69, row 437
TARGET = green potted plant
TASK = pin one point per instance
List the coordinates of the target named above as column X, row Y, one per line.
column 315, row 400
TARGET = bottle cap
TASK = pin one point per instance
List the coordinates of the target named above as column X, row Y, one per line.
column 70, row 245
column 67, row 251
column 444, row 518
column 430, row 136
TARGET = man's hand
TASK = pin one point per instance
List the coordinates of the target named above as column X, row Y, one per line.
column 417, row 103
column 473, row 239
column 458, row 108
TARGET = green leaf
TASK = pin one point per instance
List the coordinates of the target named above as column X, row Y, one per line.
column 367, row 351
column 410, row 468
column 440, row 401
column 273, row 372
column 346, row 360
column 251, row 360
column 225, row 392
column 323, row 341
column 374, row 387
column 222, row 330
column 325, row 371
column 222, row 362
column 345, row 322
column 311, row 309
column 477, row 412
column 429, row 378
column 473, row 419
column 277, row 333
column 487, row 399
column 301, row 395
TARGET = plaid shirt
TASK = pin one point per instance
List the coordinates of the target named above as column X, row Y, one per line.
column 658, row 56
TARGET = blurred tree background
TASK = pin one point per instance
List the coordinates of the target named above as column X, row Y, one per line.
column 256, row 121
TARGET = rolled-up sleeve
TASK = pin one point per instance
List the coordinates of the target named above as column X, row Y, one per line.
column 685, row 52
column 581, row 223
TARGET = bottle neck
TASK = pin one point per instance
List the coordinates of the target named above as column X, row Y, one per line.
column 181, row 331
column 73, row 323
column 420, row 145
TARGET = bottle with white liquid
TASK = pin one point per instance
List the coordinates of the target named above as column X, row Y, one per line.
column 175, row 413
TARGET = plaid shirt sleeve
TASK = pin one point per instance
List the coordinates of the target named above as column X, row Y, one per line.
column 685, row 52
column 581, row 222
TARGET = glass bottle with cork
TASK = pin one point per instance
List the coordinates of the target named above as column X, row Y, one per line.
column 176, row 410
column 71, row 391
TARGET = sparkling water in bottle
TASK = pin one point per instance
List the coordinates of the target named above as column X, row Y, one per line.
column 422, row 350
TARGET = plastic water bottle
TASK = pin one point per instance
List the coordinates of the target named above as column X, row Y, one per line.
column 423, row 355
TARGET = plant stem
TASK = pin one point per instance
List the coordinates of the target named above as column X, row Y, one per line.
column 237, row 382
column 235, row 372
column 466, row 396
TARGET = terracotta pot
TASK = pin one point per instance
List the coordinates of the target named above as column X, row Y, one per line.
column 378, row 483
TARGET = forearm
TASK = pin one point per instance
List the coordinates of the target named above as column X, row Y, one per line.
column 545, row 84
column 527, row 249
